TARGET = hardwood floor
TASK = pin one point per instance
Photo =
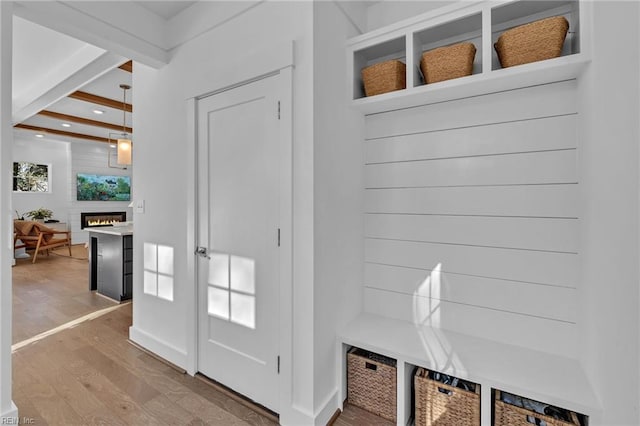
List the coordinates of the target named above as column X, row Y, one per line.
column 90, row 374
column 356, row 416
column 51, row 292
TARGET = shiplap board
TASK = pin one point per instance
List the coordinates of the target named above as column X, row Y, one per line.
column 536, row 333
column 557, row 303
column 472, row 216
column 91, row 159
column 539, row 134
column 508, row 232
column 522, row 104
column 518, row 265
column 509, row 169
column 524, row 201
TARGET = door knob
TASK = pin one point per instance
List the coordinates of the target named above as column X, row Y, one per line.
column 202, row 252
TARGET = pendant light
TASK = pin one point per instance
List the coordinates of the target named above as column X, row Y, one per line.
column 124, row 145
column 124, row 142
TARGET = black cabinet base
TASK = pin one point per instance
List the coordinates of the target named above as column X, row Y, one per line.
column 111, row 265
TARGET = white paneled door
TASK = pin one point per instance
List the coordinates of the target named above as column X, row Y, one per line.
column 238, row 239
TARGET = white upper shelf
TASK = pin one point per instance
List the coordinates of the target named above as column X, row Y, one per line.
column 480, row 23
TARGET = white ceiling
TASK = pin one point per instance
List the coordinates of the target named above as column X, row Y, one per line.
column 106, row 86
column 42, row 59
column 165, row 9
column 38, row 53
column 48, row 65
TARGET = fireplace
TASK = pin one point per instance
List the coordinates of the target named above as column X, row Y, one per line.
column 98, row 219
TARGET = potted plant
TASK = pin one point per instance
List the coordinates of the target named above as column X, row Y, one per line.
column 39, row 214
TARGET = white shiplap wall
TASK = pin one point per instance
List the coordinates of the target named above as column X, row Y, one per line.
column 91, row 159
column 471, row 219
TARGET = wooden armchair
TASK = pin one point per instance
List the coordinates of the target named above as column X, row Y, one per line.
column 38, row 237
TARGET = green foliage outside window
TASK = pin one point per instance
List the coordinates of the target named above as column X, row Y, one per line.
column 30, row 177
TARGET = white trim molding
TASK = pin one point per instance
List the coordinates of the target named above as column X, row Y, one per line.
column 98, row 29
column 301, row 416
column 328, row 408
column 158, row 347
column 91, row 71
column 6, row 213
column 276, row 61
column 10, row 417
column 112, row 27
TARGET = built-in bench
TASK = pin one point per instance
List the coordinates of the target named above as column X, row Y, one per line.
column 537, row 375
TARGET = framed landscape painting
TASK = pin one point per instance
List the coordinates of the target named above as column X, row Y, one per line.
column 103, row 188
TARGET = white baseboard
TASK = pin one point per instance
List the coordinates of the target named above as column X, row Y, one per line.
column 158, row 347
column 294, row 416
column 10, row 417
column 299, row 416
column 328, row 409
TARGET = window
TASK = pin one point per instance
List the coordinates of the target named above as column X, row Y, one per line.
column 30, row 177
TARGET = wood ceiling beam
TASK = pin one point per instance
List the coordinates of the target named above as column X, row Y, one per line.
column 99, row 100
column 128, row 67
column 61, row 133
column 81, row 120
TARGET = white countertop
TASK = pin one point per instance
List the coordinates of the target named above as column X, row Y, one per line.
column 114, row 230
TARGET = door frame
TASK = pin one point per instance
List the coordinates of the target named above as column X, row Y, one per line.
column 278, row 61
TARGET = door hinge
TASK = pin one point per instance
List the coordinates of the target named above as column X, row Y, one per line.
column 278, row 237
column 278, row 110
column 278, row 364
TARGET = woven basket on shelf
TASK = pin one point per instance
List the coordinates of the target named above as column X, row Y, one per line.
column 445, row 63
column 371, row 383
column 384, row 77
column 438, row 404
column 532, row 42
column 510, row 415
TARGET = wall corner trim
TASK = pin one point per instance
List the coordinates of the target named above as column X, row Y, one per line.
column 158, row 347
column 328, row 409
column 251, row 66
column 10, row 416
column 297, row 415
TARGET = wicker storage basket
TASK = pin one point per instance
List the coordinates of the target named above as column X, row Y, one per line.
column 384, row 77
column 438, row 404
column 532, row 42
column 445, row 63
column 371, row 382
column 510, row 415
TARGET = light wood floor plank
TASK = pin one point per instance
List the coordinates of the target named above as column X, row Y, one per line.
column 51, row 292
column 51, row 405
column 212, row 413
column 91, row 375
column 168, row 412
column 103, row 417
column 356, row 416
